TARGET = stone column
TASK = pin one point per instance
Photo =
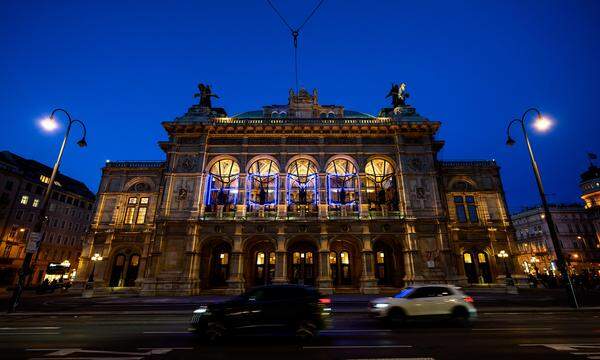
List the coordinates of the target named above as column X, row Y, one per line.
column 362, row 196
column 368, row 282
column 282, row 200
column 235, row 282
column 240, row 208
column 412, row 263
column 144, row 258
column 191, row 273
column 324, row 282
column 280, row 261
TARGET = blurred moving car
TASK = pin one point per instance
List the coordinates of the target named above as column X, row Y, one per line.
column 273, row 307
column 425, row 302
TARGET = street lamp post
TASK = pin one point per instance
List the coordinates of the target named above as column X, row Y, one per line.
column 504, row 255
column 35, row 237
column 96, row 257
column 542, row 125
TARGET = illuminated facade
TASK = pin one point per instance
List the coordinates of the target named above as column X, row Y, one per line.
column 297, row 193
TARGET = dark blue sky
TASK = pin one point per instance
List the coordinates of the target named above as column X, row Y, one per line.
column 125, row 66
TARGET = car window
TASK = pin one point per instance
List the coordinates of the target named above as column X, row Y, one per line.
column 404, row 293
column 440, row 291
column 421, row 292
column 257, row 295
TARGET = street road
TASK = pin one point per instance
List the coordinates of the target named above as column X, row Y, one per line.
column 542, row 335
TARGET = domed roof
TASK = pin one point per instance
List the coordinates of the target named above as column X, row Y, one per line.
column 254, row 114
column 592, row 173
column 351, row 114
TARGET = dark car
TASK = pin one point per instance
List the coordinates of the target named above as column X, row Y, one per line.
column 298, row 309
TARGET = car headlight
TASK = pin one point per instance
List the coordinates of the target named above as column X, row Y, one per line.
column 201, row 310
column 380, row 305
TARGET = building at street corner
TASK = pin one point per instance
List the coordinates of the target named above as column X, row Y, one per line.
column 578, row 229
column 296, row 193
column 22, row 186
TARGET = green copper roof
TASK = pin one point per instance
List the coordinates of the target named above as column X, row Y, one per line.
column 255, row 114
column 351, row 114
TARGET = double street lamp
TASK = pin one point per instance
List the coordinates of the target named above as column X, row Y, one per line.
column 96, row 257
column 35, row 237
column 543, row 124
column 504, row 255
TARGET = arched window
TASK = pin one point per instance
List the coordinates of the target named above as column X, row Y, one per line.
column 262, row 183
column 274, row 114
column 302, row 183
column 223, row 183
column 342, row 183
column 331, row 115
column 462, row 186
column 380, row 184
column 282, row 114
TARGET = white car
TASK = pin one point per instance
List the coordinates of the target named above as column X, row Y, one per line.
column 425, row 301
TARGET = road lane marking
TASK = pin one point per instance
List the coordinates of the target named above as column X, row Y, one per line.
column 354, row 330
column 165, row 332
column 31, row 333
column 397, row 358
column 30, row 328
column 514, row 329
column 356, row 346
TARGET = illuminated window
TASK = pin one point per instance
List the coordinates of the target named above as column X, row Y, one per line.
column 262, row 179
column 296, row 258
column 380, row 257
column 481, row 258
column 260, row 258
column 44, row 179
column 344, row 258
column 332, row 258
column 309, row 257
column 24, row 199
column 380, row 184
column 132, row 201
column 144, row 201
column 461, row 213
column 141, row 215
column 302, row 182
column 129, row 215
column 36, row 203
column 467, row 258
column 224, row 258
column 223, row 183
column 272, row 258
column 341, row 182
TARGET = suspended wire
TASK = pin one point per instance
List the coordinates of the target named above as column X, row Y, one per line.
column 295, row 32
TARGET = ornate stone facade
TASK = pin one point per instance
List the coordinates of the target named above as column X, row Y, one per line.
column 304, row 193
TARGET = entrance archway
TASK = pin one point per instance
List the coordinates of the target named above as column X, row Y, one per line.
column 343, row 263
column 484, row 267
column 384, row 263
column 117, row 271
column 302, row 263
column 219, row 269
column 469, row 265
column 125, row 269
column 261, row 264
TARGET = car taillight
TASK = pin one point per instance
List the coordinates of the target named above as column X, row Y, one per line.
column 468, row 299
column 325, row 301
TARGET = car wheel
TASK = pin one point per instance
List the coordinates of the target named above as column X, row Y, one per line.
column 460, row 316
column 396, row 317
column 306, row 331
column 215, row 331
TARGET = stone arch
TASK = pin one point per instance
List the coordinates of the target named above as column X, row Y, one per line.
column 217, row 158
column 318, row 165
column 461, row 178
column 260, row 157
column 124, row 262
column 345, row 157
column 380, row 156
column 303, row 260
column 131, row 183
column 214, row 270
column 393, row 260
column 345, row 260
column 260, row 260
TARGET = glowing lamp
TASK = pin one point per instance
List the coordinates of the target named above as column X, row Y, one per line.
column 542, row 124
column 49, row 124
